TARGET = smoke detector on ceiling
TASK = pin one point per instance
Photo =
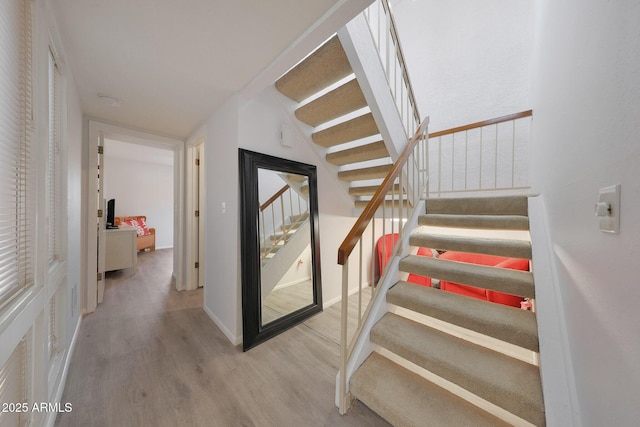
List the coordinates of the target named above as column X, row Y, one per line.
column 109, row 100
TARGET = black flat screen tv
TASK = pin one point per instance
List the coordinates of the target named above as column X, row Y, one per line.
column 111, row 211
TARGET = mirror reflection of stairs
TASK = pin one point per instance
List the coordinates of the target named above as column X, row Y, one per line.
column 441, row 358
column 277, row 240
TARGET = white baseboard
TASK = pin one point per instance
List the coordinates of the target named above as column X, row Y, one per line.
column 235, row 340
column 51, row 416
column 164, row 247
column 293, row 282
column 337, row 299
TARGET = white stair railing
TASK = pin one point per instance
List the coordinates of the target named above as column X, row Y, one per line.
column 385, row 36
column 491, row 155
column 394, row 202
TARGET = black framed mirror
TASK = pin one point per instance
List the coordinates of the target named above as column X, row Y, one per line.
column 280, row 246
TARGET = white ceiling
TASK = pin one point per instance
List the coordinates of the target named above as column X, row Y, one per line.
column 172, row 63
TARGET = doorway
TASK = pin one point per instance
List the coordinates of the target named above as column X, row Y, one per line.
column 98, row 133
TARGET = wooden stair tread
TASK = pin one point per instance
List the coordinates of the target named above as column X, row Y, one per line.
column 505, row 323
column 504, row 280
column 351, row 130
column 340, row 101
column 362, row 153
column 327, row 65
column 498, row 247
column 502, row 380
column 488, row 222
column 406, row 399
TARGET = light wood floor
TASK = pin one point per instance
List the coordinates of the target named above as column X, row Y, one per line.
column 150, row 356
column 286, row 300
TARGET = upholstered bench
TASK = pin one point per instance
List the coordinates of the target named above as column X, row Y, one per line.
column 146, row 235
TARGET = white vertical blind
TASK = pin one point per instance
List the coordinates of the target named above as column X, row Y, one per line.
column 13, row 385
column 53, row 167
column 16, row 270
column 53, row 338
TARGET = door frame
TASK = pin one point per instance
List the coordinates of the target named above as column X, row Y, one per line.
column 98, row 129
column 195, row 200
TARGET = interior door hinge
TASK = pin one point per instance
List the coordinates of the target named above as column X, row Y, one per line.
column 197, row 265
column 100, row 213
column 197, row 162
column 99, row 277
column 100, row 149
column 197, row 214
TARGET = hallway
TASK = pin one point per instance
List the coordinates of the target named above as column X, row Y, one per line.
column 150, row 356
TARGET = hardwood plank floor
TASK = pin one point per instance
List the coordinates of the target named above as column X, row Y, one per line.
column 150, row 356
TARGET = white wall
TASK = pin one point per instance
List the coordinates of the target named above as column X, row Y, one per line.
column 468, row 61
column 75, row 255
column 141, row 187
column 585, row 131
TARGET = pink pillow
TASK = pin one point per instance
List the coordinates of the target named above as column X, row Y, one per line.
column 140, row 225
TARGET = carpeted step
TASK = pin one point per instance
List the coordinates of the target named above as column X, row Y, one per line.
column 406, row 399
column 369, row 190
column 351, row 130
column 327, row 65
column 504, row 280
column 504, row 381
column 362, row 153
column 509, row 324
column 299, row 218
column 373, row 172
column 476, row 245
column 340, row 101
column 503, row 205
column 389, row 204
column 488, row 222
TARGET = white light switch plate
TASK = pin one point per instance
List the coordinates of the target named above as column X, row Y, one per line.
column 611, row 196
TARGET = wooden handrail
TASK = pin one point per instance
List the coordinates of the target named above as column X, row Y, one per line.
column 476, row 125
column 394, row 34
column 273, row 198
column 369, row 211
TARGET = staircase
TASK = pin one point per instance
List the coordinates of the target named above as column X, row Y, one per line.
column 277, row 240
column 443, row 359
column 330, row 101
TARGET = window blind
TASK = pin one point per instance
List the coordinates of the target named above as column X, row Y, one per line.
column 53, row 167
column 13, row 386
column 16, row 270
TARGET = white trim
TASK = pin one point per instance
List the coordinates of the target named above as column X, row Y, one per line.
column 556, row 366
column 51, row 417
column 339, row 297
column 235, row 340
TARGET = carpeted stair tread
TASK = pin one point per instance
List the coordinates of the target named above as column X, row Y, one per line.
column 407, row 400
column 362, row 153
column 373, row 172
column 504, row 381
column 477, row 245
column 389, row 204
column 488, row 222
column 298, row 218
column 504, row 280
column 351, row 130
column 322, row 68
column 336, row 103
column 502, row 205
column 508, row 324
column 369, row 190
